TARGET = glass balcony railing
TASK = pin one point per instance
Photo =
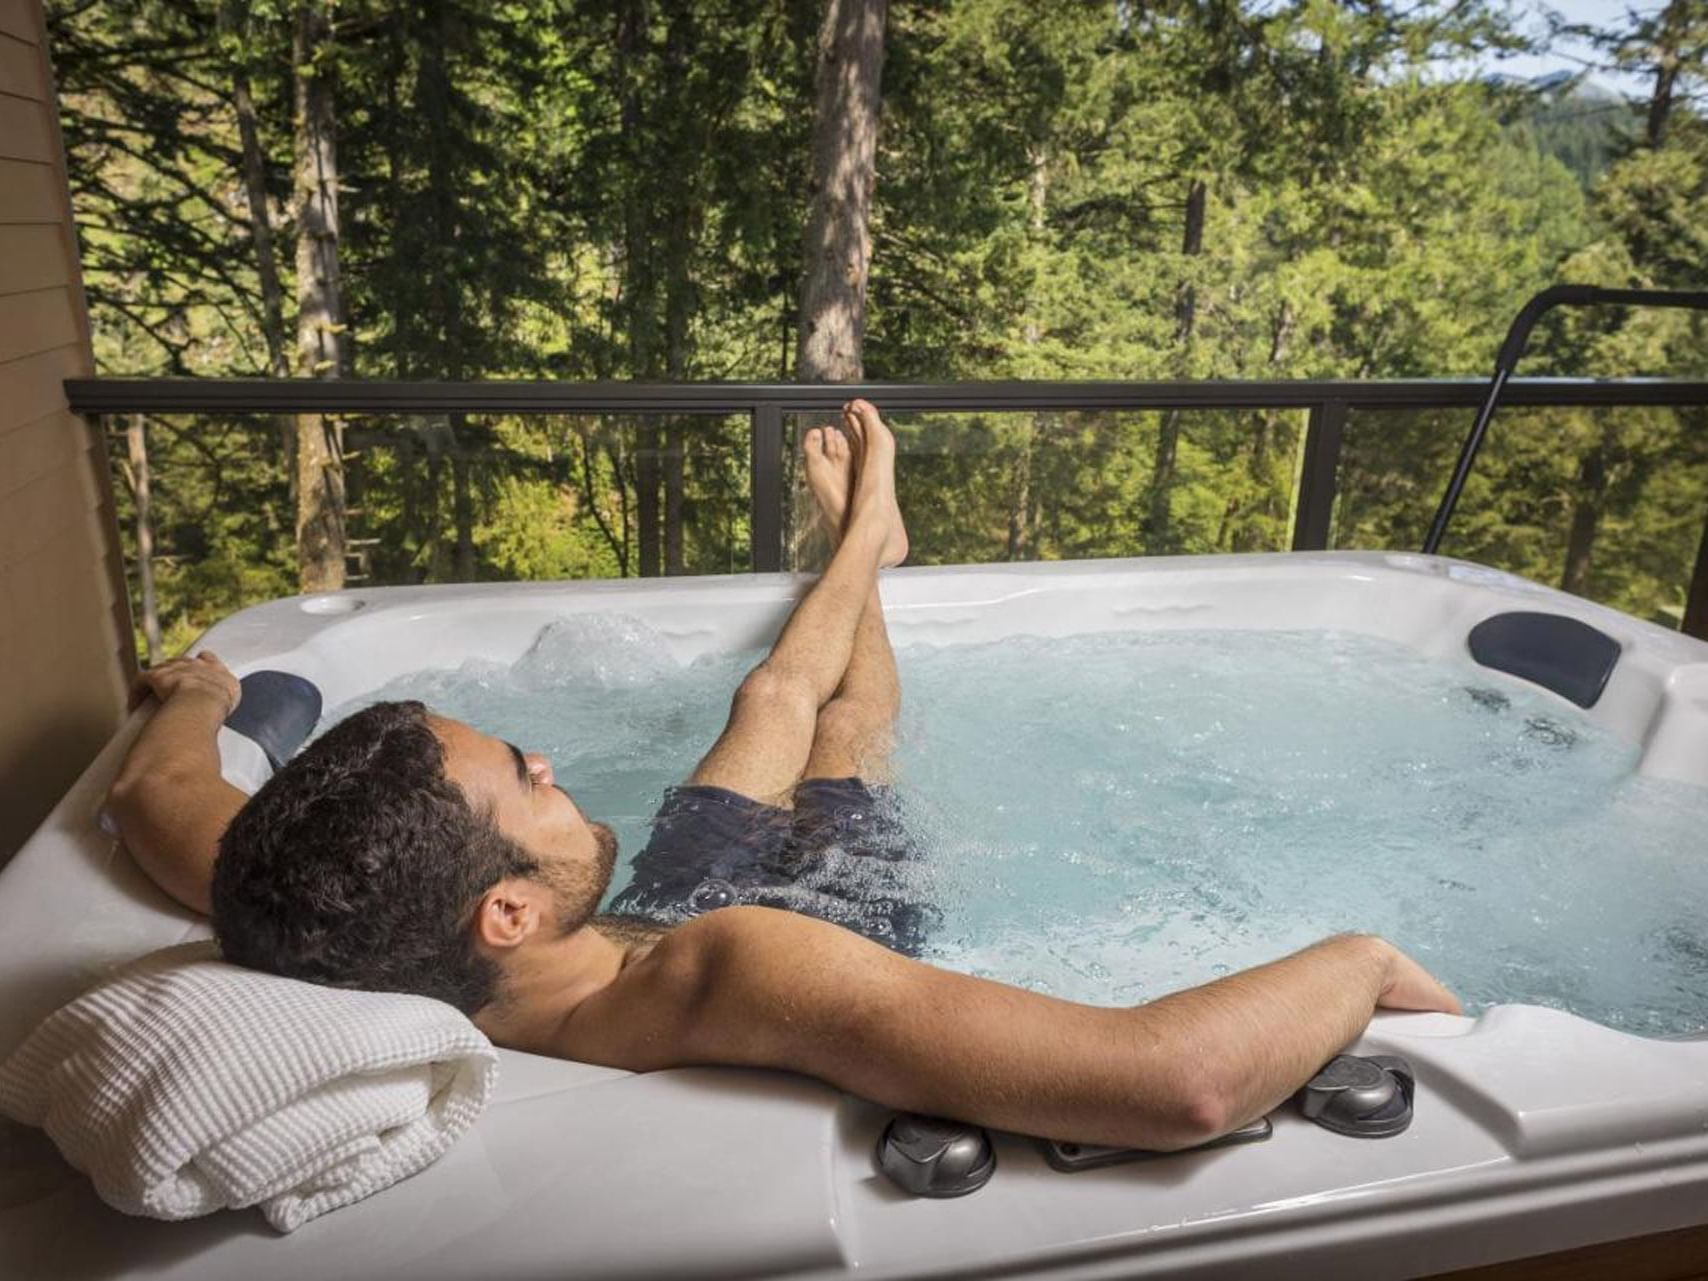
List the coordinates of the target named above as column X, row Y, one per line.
column 1595, row 485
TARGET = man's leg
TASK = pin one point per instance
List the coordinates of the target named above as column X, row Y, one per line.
column 855, row 731
column 774, row 719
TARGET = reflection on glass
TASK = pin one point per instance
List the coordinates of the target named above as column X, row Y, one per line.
column 426, row 498
column 978, row 488
column 1602, row 502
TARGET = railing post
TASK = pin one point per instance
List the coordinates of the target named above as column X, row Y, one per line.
column 1695, row 622
column 1323, row 435
column 765, row 513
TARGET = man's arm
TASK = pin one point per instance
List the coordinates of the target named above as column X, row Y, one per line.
column 169, row 801
column 766, row 988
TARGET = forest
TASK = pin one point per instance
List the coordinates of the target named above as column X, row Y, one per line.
column 880, row 190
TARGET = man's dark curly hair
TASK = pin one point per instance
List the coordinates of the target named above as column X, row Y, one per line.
column 359, row 864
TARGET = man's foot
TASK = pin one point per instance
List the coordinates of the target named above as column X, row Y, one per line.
column 874, row 490
column 829, row 461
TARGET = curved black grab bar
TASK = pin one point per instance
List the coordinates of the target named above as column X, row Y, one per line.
column 1513, row 347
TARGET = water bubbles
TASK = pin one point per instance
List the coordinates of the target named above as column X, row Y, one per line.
column 1548, row 732
column 711, row 894
column 1268, row 790
column 1490, row 700
column 1112, row 817
column 602, row 651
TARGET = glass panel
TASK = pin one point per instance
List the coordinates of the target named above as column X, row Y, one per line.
column 1606, row 503
column 429, row 499
column 983, row 487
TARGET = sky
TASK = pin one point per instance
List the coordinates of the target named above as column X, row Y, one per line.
column 1573, row 57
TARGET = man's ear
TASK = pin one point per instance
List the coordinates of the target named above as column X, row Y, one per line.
column 509, row 912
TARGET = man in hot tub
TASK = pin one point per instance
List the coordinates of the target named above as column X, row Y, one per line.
column 404, row 851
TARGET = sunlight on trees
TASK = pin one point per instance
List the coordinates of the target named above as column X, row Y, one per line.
column 1084, row 190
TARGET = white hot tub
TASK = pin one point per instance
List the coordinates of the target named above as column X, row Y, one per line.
column 1535, row 1130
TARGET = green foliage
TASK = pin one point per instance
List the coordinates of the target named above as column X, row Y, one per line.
column 609, row 189
column 531, row 532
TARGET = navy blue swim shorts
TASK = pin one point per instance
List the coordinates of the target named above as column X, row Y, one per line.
column 841, row 854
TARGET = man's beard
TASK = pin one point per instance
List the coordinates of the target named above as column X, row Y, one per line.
column 579, row 887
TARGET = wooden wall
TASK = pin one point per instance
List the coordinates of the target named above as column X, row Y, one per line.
column 65, row 639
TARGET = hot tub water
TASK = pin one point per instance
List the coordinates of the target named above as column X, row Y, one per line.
column 1112, row 817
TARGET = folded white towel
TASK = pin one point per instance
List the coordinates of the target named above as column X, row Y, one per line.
column 184, row 1085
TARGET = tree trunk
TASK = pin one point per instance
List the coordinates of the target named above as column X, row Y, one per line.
column 1270, row 504
column 589, row 496
column 646, row 495
column 1230, row 509
column 1667, row 62
column 234, row 23
column 392, row 117
column 320, row 504
column 1020, row 496
column 624, row 523
column 689, row 140
column 1158, row 537
column 435, row 565
column 1588, row 495
column 675, row 458
column 1192, row 245
column 1020, row 480
column 640, row 287
column 1660, row 103
column 434, row 97
column 320, row 322
column 844, row 176
column 462, row 500
column 678, row 303
column 137, row 441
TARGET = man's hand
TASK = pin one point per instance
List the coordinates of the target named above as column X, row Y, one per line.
column 201, row 676
column 1410, row 987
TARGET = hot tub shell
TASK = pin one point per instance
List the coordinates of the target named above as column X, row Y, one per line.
column 1535, row 1130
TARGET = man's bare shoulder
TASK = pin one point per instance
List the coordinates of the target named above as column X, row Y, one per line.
column 705, row 990
column 638, row 1020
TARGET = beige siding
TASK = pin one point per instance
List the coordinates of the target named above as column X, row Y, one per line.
column 34, row 256
column 35, row 321
column 22, row 19
column 28, row 193
column 21, row 70
column 26, row 130
column 65, row 644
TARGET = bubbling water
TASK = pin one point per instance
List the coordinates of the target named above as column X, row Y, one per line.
column 1109, row 818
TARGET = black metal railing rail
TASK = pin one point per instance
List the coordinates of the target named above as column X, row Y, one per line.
column 765, row 404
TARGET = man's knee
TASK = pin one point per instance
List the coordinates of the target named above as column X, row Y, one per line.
column 769, row 692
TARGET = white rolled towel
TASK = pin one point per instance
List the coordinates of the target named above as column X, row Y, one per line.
column 183, row 1085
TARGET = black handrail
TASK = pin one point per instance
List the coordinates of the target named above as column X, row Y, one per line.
column 1510, row 350
column 378, row 396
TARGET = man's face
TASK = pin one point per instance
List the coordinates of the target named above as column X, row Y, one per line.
column 576, row 856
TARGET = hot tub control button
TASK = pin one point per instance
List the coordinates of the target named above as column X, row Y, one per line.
column 928, row 1156
column 1366, row 1097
